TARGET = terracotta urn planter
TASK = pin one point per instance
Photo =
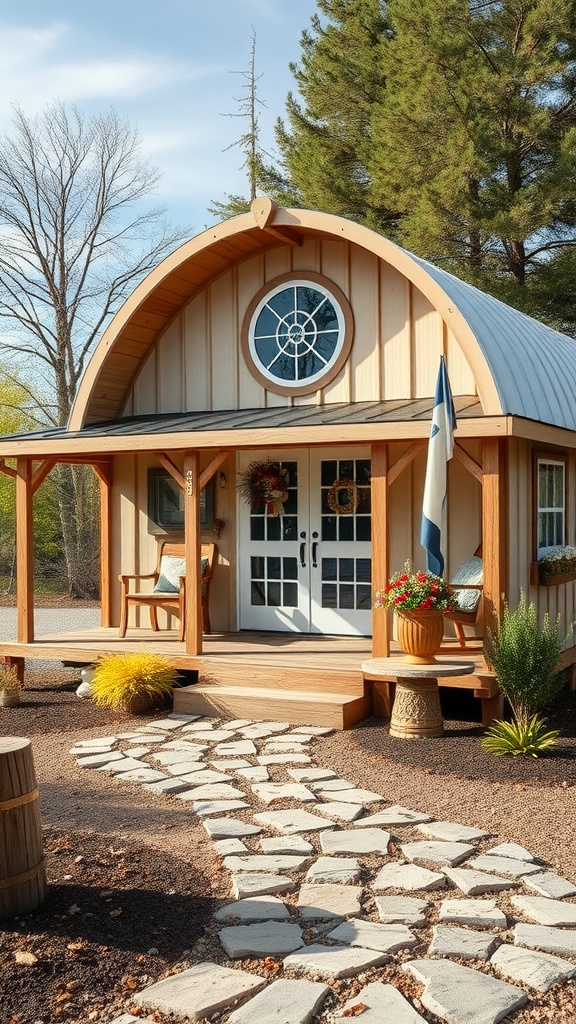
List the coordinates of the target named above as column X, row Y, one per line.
column 420, row 635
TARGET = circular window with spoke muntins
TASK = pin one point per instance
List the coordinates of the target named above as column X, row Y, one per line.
column 297, row 333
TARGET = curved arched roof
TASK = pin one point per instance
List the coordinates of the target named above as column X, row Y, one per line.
column 521, row 367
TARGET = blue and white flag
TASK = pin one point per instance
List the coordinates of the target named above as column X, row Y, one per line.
column 440, row 449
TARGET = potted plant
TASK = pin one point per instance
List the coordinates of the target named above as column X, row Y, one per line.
column 10, row 687
column 419, row 600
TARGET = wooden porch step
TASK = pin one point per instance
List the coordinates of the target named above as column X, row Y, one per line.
column 299, row 707
column 270, row 671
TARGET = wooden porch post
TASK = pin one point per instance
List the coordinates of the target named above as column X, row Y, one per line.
column 24, row 551
column 193, row 610
column 494, row 492
column 380, row 547
column 104, row 473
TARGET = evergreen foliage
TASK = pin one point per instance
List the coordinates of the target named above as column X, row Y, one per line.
column 525, row 656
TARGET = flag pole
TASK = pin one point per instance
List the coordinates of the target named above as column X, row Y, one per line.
column 440, row 451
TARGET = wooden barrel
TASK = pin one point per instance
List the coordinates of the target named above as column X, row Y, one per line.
column 22, row 872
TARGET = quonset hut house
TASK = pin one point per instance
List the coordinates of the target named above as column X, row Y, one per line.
column 302, row 344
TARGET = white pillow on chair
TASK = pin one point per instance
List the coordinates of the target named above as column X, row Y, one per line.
column 472, row 573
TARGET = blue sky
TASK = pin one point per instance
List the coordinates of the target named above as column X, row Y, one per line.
column 166, row 65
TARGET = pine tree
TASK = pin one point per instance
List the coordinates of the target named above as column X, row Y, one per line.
column 326, row 141
column 476, row 136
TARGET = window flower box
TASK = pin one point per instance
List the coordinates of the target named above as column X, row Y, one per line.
column 557, row 566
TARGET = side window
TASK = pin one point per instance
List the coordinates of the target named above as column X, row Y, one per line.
column 550, row 501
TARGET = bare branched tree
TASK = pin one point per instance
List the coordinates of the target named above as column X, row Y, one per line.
column 76, row 235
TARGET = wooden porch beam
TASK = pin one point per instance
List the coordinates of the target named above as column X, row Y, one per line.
column 404, row 461
column 104, row 473
column 7, row 469
column 192, row 540
column 212, row 468
column 494, row 505
column 287, row 235
column 380, row 484
column 170, row 468
column 41, row 472
column 24, row 552
column 468, row 462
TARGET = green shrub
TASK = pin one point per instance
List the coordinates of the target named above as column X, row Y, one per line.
column 137, row 683
column 521, row 737
column 525, row 656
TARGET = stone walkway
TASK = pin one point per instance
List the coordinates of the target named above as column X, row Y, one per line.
column 364, row 869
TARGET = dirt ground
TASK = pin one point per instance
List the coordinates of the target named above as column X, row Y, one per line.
column 133, row 881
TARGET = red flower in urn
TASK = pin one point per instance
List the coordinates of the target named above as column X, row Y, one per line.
column 409, row 591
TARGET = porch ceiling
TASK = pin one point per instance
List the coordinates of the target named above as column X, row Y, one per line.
column 327, row 424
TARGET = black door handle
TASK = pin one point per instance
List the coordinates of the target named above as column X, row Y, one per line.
column 314, row 550
column 303, row 550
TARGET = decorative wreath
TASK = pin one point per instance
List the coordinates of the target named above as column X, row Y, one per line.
column 348, row 502
column 264, row 483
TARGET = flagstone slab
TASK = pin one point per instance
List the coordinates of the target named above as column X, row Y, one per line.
column 168, row 787
column 167, row 724
column 355, row 796
column 95, row 760
column 380, row 1003
column 204, row 724
column 215, row 791
column 230, row 764
column 147, row 735
column 268, row 792
column 549, row 884
column 229, row 847
column 256, row 773
column 370, row 840
column 401, row 909
column 474, row 883
column 326, row 901
column 205, row 776
column 183, row 717
column 293, row 737
column 182, row 744
column 214, row 735
column 337, row 811
column 141, row 775
column 265, row 862
column 129, row 764
column 267, row 759
column 394, row 816
column 333, row 962
column 546, row 911
column 451, row 831
column 276, row 747
column 513, row 850
column 190, row 752
column 330, row 785
column 255, row 908
column 545, row 938
column 504, row 865
column 290, row 822
column 387, row 938
column 100, row 748
column 203, row 807
column 461, row 943
column 461, row 995
column 200, row 992
column 314, row 730
column 260, row 730
column 239, row 723
column 295, row 845
column 263, row 938
column 185, row 768
column 408, row 876
column 102, row 741
column 432, row 852
column 230, row 828
column 137, row 751
column 531, row 967
column 478, row 913
column 287, row 1001
column 237, row 748
column 310, row 774
column 334, row 869
column 260, row 884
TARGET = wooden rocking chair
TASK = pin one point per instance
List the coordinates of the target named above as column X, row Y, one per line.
column 169, row 592
column 468, row 588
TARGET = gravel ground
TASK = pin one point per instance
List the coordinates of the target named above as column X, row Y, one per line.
column 134, row 883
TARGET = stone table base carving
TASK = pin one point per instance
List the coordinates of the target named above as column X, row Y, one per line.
column 416, row 712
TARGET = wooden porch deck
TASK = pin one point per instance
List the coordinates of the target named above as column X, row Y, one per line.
column 304, row 679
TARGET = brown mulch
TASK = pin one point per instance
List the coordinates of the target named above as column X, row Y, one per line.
column 133, row 884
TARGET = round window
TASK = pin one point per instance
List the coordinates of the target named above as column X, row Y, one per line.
column 297, row 333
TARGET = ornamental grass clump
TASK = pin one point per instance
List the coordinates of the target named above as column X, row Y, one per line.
column 136, row 683
column 409, row 591
column 525, row 655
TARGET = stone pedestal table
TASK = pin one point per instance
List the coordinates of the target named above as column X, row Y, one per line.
column 416, row 710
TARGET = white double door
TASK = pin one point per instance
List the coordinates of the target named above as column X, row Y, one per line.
column 309, row 570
